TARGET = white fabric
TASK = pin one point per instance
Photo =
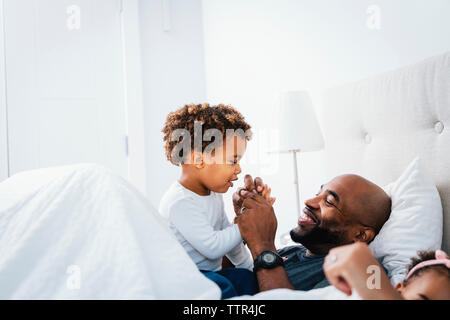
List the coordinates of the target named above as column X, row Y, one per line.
column 327, row 293
column 83, row 233
column 415, row 222
column 55, row 223
column 377, row 126
column 202, row 227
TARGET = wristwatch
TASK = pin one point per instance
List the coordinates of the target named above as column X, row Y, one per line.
column 267, row 260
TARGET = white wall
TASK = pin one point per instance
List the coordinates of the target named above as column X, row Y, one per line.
column 69, row 46
column 173, row 74
column 3, row 109
column 64, row 81
column 255, row 49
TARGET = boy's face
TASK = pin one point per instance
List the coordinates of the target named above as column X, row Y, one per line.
column 221, row 167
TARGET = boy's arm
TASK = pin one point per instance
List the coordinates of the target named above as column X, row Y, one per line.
column 239, row 256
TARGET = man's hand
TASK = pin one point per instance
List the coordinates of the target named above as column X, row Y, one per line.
column 349, row 267
column 257, row 223
column 258, row 226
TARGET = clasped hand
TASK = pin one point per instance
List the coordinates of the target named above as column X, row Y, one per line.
column 255, row 215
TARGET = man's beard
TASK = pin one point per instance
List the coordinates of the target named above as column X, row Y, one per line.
column 319, row 239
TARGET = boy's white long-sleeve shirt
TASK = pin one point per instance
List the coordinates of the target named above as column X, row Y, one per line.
column 203, row 229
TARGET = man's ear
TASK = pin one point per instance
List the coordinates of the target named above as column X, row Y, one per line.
column 365, row 234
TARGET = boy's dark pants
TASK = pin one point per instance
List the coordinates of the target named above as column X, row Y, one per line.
column 234, row 281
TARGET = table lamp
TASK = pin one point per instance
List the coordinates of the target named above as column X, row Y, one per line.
column 299, row 129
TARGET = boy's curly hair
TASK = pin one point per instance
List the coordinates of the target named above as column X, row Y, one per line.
column 220, row 117
column 425, row 256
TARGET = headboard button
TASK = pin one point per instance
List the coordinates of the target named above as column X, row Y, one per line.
column 439, row 127
column 368, row 138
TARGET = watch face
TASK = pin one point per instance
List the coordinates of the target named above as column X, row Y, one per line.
column 268, row 258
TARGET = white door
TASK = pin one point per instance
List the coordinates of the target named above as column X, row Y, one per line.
column 3, row 112
column 64, row 80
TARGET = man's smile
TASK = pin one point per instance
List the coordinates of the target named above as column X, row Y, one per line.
column 307, row 217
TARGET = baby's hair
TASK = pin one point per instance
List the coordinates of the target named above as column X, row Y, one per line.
column 425, row 256
column 220, row 117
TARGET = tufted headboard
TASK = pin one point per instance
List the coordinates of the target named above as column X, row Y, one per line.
column 377, row 126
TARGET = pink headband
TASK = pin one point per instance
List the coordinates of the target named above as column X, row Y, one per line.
column 441, row 258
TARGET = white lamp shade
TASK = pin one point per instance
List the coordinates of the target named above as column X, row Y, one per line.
column 299, row 128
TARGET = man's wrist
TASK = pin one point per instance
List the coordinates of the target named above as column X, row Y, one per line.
column 256, row 250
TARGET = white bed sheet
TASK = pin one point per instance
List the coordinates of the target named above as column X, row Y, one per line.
column 327, row 293
column 81, row 232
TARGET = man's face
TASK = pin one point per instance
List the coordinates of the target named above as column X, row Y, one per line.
column 325, row 222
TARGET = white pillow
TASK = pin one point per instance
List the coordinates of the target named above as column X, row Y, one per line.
column 415, row 222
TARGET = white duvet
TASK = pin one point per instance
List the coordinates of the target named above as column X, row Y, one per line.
column 81, row 232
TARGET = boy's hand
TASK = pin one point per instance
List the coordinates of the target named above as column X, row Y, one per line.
column 266, row 194
column 256, row 186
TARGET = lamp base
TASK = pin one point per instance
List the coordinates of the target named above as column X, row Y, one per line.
column 297, row 193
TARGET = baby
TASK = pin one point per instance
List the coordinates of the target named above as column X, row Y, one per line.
column 428, row 275
column 193, row 205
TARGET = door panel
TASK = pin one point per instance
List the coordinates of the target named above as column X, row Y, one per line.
column 64, row 83
column 3, row 112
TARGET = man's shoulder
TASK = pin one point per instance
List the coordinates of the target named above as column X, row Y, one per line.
column 292, row 249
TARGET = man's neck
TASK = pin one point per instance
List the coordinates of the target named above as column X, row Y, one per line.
column 316, row 251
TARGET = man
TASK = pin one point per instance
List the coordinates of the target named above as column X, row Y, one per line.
column 347, row 209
